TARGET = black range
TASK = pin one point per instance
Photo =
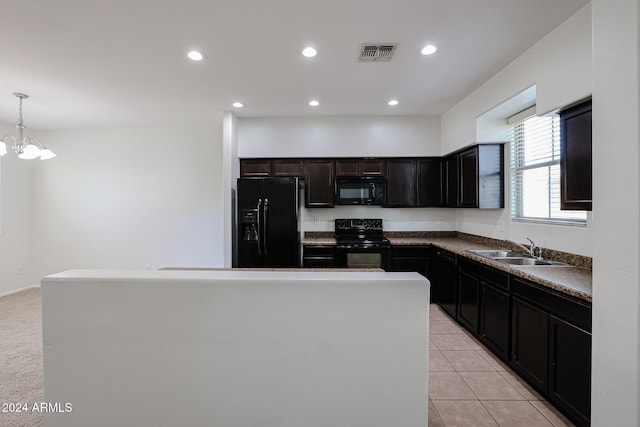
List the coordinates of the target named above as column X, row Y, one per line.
column 360, row 243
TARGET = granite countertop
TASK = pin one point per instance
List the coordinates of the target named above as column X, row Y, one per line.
column 571, row 280
column 319, row 241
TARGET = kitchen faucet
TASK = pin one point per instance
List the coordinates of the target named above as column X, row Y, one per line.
column 531, row 249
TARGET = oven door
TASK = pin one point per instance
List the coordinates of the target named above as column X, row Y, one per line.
column 363, row 257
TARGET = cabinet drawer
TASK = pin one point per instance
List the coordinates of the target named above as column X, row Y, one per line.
column 486, row 274
column 319, row 256
column 410, row 251
column 569, row 309
column 319, row 251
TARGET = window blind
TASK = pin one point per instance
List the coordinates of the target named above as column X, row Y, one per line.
column 535, row 170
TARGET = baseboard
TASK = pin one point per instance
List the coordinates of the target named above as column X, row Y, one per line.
column 15, row 291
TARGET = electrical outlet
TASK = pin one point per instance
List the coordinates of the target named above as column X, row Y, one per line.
column 19, row 271
column 147, row 266
column 316, row 220
column 410, row 220
column 440, row 220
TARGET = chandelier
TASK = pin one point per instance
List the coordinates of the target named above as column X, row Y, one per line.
column 25, row 147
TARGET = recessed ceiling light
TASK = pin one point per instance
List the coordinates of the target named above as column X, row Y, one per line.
column 309, row 52
column 314, row 103
column 428, row 50
column 238, row 104
column 195, row 55
column 393, row 102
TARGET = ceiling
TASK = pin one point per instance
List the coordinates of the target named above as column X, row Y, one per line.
column 106, row 63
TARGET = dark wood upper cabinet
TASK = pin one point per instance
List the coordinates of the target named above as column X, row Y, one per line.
column 255, row 167
column 450, row 180
column 360, row 167
column 429, row 183
column 288, row 167
column 468, row 178
column 401, row 183
column 576, row 158
column 490, row 180
column 471, row 177
column 319, row 188
column 474, row 177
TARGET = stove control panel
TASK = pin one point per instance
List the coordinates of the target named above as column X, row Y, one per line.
column 358, row 224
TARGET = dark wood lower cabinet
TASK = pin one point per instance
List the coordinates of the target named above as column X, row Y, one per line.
column 413, row 258
column 529, row 351
column 469, row 300
column 570, row 369
column 494, row 320
column 315, row 256
column 445, row 276
column 542, row 334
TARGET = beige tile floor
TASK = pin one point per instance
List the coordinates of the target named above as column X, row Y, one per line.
column 468, row 386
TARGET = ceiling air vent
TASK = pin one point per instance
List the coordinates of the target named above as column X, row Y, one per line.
column 382, row 52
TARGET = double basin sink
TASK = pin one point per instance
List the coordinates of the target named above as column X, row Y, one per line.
column 514, row 258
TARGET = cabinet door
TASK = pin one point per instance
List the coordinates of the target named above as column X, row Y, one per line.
column 429, row 182
column 451, row 181
column 469, row 178
column 494, row 320
column 255, row 167
column 347, row 167
column 468, row 300
column 288, row 167
column 570, row 369
column 446, row 273
column 401, row 183
column 371, row 167
column 319, row 191
column 529, row 345
column 575, row 158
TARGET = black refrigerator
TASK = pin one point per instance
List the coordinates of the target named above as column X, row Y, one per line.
column 267, row 224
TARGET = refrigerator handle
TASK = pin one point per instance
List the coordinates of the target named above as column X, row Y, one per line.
column 265, row 226
column 259, row 227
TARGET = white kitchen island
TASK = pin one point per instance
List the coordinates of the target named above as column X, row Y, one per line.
column 235, row 348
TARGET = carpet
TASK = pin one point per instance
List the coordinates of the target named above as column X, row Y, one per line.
column 21, row 380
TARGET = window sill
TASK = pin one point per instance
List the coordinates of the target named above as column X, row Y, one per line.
column 570, row 223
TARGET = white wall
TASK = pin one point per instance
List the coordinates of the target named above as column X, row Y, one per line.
column 231, row 171
column 616, row 216
column 346, row 136
column 560, row 68
column 130, row 198
column 16, row 219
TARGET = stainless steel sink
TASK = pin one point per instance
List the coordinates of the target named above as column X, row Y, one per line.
column 513, row 258
column 521, row 261
column 495, row 253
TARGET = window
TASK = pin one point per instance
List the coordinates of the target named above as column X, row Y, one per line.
column 535, row 170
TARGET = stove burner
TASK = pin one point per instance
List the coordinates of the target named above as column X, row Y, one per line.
column 360, row 234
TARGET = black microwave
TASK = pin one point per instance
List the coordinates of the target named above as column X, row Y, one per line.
column 360, row 190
